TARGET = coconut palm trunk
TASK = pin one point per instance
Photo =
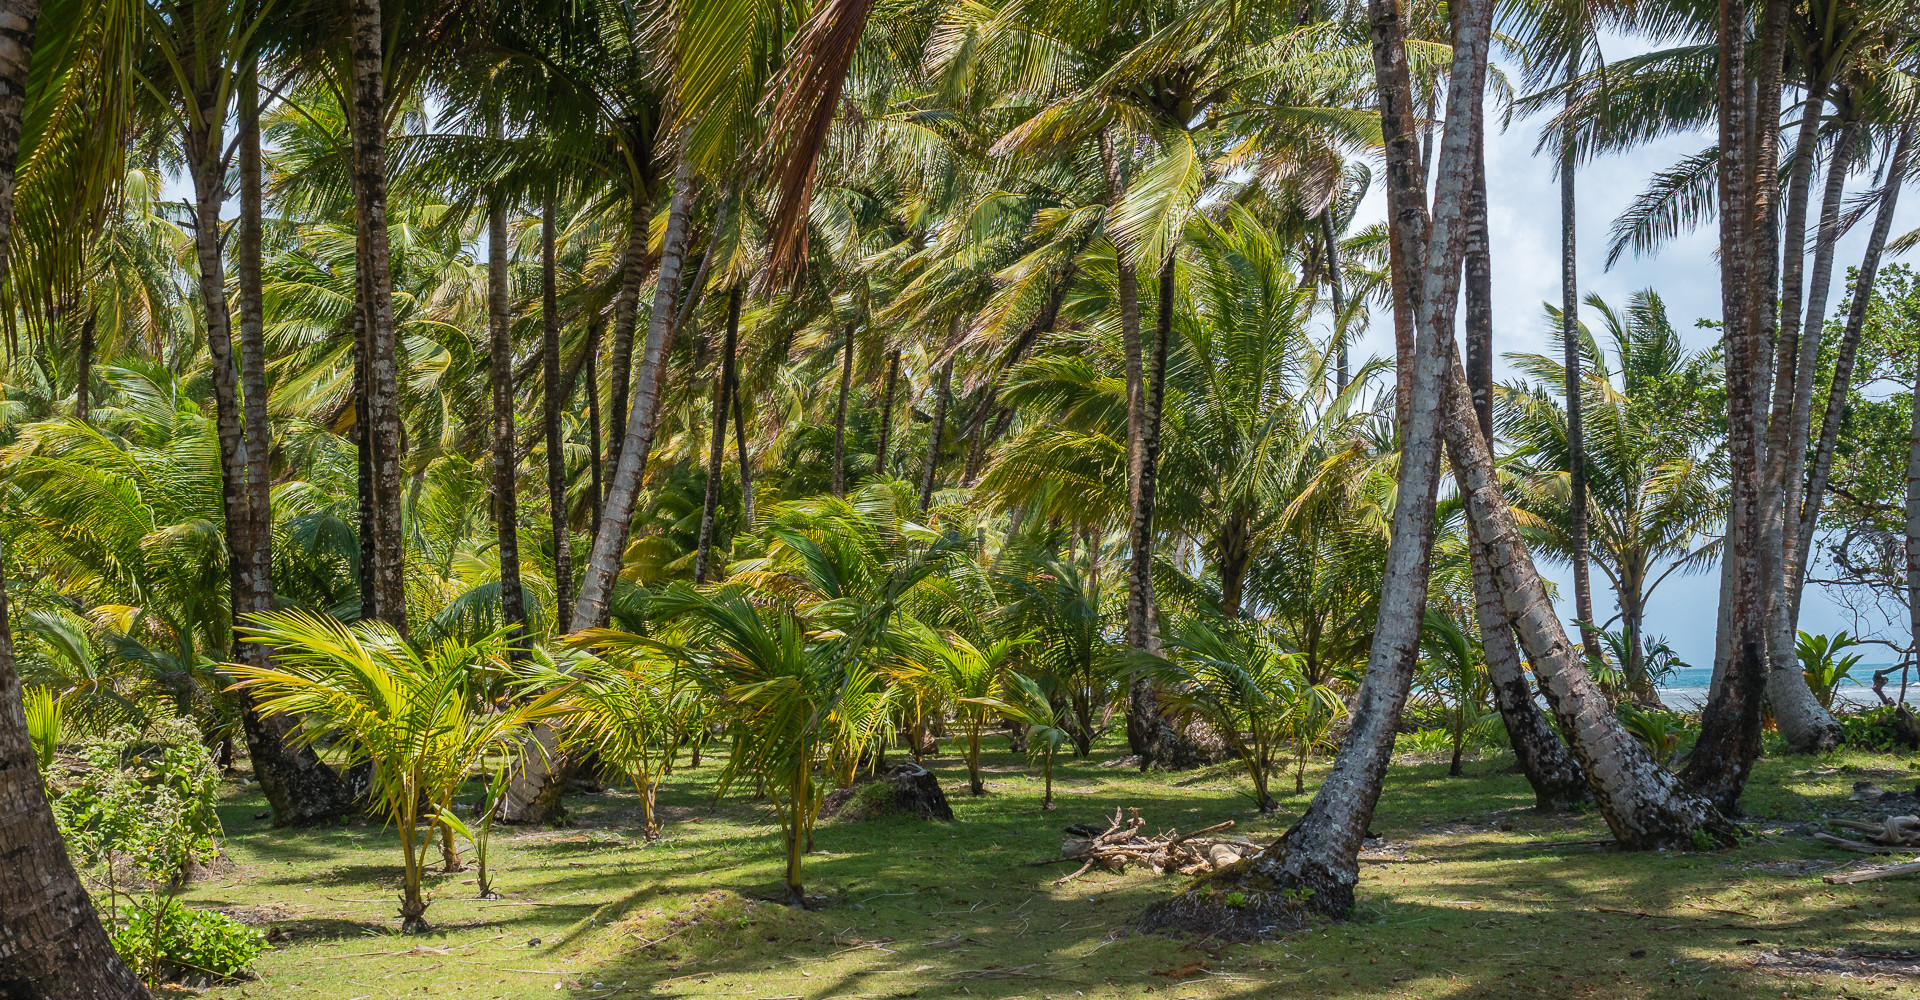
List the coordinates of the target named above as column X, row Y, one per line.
column 747, row 515
column 299, row 788
column 595, row 326
column 53, row 943
column 942, row 400
column 623, row 487
column 840, row 416
column 1312, row 870
column 1845, row 356
column 1913, row 512
column 553, row 398
column 1147, row 732
column 717, row 439
column 1806, row 724
column 83, row 371
column 626, row 310
column 1573, row 350
column 506, row 504
column 375, row 261
column 1342, row 373
column 1479, row 298
column 886, row 414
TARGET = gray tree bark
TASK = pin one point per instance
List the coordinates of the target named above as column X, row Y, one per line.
column 717, row 439
column 506, row 503
column 552, row 400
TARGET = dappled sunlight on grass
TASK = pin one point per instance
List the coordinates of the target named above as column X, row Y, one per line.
column 1467, row 893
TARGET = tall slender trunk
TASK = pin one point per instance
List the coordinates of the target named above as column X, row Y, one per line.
column 1845, row 356
column 626, row 309
column 1479, row 282
column 886, row 414
column 533, row 796
column 623, row 489
column 53, row 943
column 747, row 513
column 942, row 399
column 1573, row 350
column 1145, row 726
column 1730, row 724
column 1913, row 514
column 299, row 788
column 506, row 503
column 1313, row 868
column 553, row 399
column 594, row 329
column 362, row 458
column 83, row 374
column 1806, row 724
column 717, row 440
column 1643, row 804
column 840, row 417
column 383, row 375
column 1342, row 374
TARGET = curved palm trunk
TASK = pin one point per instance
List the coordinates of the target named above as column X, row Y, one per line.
column 383, row 376
column 1806, row 724
column 840, row 418
column 506, row 505
column 553, row 398
column 626, row 309
column 1845, row 356
column 942, row 400
column 1314, row 867
column 533, row 796
column 886, row 414
column 53, row 943
column 1643, row 804
column 717, row 440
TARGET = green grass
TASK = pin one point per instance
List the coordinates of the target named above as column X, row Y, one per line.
column 1485, row 899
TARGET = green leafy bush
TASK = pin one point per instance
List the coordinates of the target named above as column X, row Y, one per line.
column 1872, row 729
column 185, row 943
column 140, row 796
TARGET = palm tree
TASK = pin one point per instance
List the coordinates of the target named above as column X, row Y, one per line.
column 968, row 679
column 1652, row 446
column 410, row 711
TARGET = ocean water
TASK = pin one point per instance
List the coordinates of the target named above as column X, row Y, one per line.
column 1687, row 688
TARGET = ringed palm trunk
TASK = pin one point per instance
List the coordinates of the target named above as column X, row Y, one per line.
column 533, row 796
column 1312, row 870
column 1845, row 356
column 740, row 445
column 1571, row 346
column 83, row 375
column 626, row 309
column 383, row 376
column 553, row 398
column 1806, row 724
column 506, row 506
column 298, row 787
column 1341, row 372
column 1643, row 804
column 717, row 440
column 1913, row 512
column 886, row 414
column 1145, row 727
column 592, row 366
column 942, row 399
column 54, row 945
column 840, row 417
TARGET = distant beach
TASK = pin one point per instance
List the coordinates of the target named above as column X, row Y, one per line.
column 1686, row 689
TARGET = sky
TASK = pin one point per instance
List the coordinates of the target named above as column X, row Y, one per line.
column 1524, row 216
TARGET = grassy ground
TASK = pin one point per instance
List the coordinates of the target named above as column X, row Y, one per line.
column 1472, row 895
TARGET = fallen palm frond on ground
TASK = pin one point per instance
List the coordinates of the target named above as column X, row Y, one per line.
column 1124, row 843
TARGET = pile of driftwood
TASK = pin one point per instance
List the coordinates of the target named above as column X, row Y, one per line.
column 1124, row 842
column 1892, row 835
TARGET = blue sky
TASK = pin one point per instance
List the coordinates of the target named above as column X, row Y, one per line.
column 1524, row 209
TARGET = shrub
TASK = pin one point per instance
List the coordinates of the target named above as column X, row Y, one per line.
column 1872, row 729
column 141, row 796
column 185, row 943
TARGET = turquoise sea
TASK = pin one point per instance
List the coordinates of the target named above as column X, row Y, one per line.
column 1687, row 688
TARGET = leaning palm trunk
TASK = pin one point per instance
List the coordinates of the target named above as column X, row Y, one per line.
column 1806, row 724
column 375, row 263
column 1313, row 869
column 623, row 488
column 1844, row 357
column 717, row 440
column 1642, row 803
column 53, row 943
column 506, row 507
column 553, row 399
column 534, row 794
column 626, row 308
column 1913, row 513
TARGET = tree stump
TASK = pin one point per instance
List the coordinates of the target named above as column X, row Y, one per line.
column 905, row 788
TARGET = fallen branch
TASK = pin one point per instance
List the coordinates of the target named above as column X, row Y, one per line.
column 1842, row 878
column 1124, row 843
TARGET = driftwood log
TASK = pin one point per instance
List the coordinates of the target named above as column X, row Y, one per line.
column 1125, row 842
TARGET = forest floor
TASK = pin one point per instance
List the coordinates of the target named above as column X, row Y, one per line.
column 1469, row 893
